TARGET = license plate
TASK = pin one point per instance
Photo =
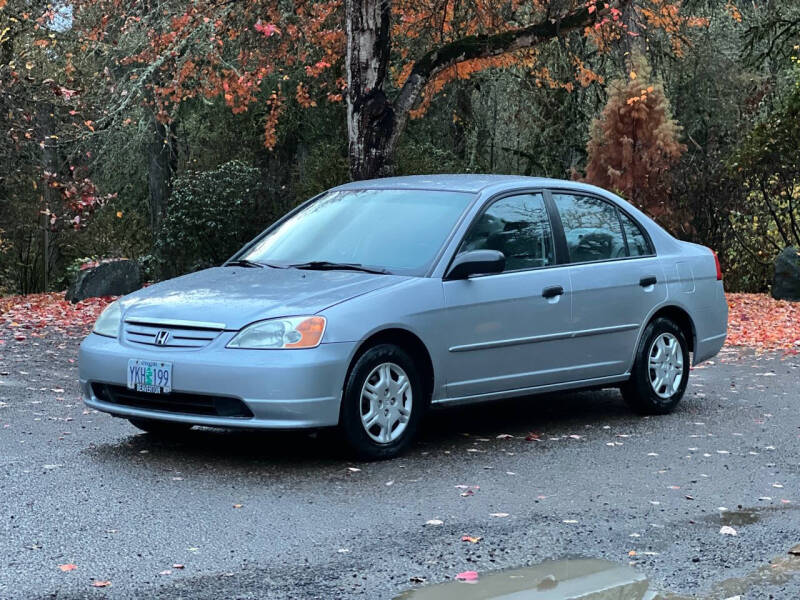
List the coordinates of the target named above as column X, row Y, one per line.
column 151, row 376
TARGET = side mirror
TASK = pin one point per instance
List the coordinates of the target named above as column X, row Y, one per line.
column 476, row 262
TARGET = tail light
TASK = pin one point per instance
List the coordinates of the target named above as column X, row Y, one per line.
column 719, row 269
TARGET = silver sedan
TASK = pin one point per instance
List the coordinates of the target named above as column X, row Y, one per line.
column 378, row 299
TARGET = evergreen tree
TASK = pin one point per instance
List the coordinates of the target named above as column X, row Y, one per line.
column 635, row 142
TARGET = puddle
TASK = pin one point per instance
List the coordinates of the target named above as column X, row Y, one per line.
column 739, row 517
column 584, row 579
column 778, row 572
column 597, row 579
column 747, row 515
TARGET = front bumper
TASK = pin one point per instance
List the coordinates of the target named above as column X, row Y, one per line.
column 284, row 389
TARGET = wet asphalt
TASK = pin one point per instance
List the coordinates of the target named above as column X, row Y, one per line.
column 221, row 514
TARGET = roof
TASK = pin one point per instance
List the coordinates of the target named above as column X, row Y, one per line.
column 472, row 183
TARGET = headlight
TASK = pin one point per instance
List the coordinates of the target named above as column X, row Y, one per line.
column 291, row 332
column 108, row 322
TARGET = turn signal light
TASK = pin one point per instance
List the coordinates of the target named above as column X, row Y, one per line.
column 310, row 331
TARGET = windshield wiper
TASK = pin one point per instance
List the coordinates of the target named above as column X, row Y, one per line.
column 250, row 264
column 324, row 265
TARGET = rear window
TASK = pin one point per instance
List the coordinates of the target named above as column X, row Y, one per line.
column 592, row 228
column 637, row 241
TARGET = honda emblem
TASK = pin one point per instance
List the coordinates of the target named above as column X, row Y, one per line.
column 162, row 337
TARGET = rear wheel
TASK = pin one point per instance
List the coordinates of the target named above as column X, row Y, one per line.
column 383, row 403
column 161, row 428
column 661, row 369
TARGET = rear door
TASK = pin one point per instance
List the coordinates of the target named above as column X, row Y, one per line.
column 616, row 281
column 507, row 331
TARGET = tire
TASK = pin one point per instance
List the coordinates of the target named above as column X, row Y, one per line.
column 391, row 400
column 161, row 428
column 656, row 389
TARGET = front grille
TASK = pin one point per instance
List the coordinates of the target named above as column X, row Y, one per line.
column 168, row 335
column 175, row 402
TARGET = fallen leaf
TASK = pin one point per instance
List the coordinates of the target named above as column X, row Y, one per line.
column 471, row 539
column 101, row 583
column 68, row 567
column 761, row 322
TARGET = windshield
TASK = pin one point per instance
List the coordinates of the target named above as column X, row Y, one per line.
column 399, row 231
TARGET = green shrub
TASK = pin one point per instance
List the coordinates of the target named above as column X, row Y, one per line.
column 324, row 167
column 415, row 158
column 210, row 215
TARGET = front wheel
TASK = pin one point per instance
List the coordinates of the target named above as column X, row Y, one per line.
column 383, row 403
column 661, row 370
column 161, row 428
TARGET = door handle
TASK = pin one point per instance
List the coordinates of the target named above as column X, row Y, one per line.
column 552, row 292
column 647, row 281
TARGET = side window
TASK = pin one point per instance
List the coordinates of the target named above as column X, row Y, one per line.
column 637, row 242
column 591, row 227
column 517, row 226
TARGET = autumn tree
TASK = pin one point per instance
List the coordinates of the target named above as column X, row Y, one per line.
column 385, row 59
column 635, row 143
column 45, row 186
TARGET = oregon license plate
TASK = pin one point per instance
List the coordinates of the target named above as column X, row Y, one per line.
column 151, row 376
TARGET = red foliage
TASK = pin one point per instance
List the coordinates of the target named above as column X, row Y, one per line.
column 755, row 321
column 760, row 322
column 38, row 315
column 635, row 143
column 243, row 52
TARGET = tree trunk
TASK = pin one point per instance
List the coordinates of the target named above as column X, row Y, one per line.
column 374, row 122
column 52, row 198
column 370, row 115
column 163, row 160
column 463, row 118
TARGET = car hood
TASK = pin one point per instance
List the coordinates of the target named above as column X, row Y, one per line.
column 237, row 296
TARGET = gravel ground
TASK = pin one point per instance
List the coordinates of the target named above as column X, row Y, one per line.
column 266, row 515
